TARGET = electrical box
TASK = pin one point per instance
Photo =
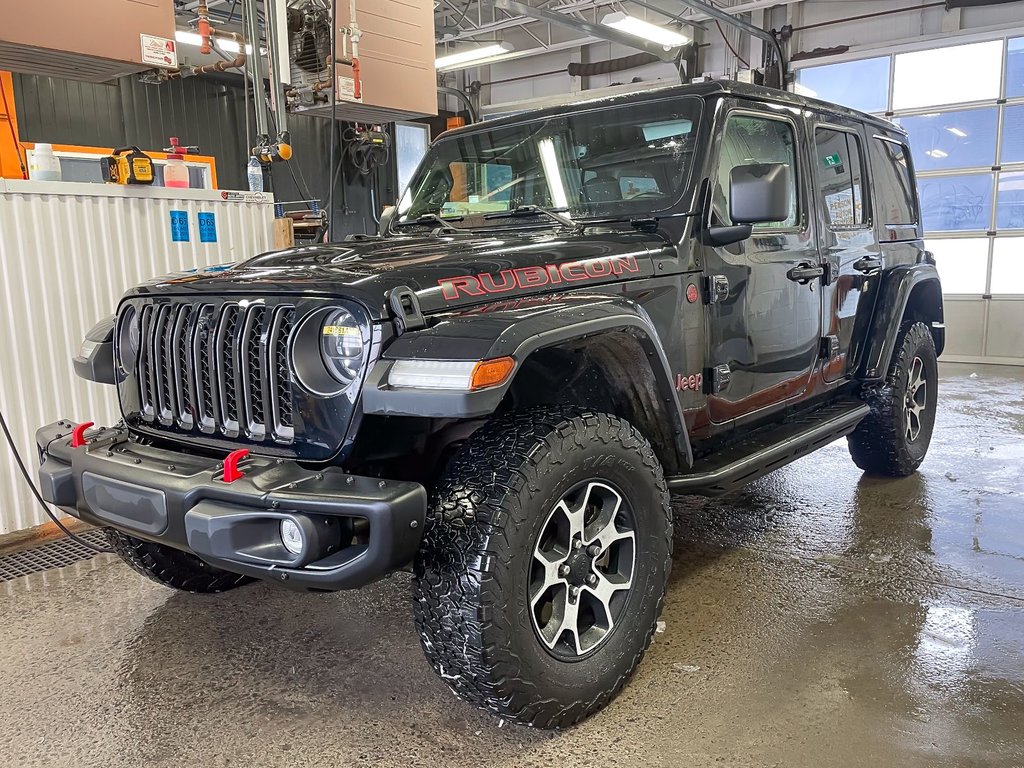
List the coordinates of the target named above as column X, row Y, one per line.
column 91, row 40
column 397, row 80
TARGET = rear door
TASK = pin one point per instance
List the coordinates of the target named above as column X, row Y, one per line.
column 849, row 248
column 764, row 326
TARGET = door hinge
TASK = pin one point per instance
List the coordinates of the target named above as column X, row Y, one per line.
column 717, row 379
column 716, row 289
column 830, row 347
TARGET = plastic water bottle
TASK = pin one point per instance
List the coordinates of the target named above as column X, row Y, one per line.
column 45, row 166
column 255, row 172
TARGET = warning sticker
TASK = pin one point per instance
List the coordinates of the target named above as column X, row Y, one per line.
column 347, row 89
column 207, row 227
column 179, row 227
column 159, row 51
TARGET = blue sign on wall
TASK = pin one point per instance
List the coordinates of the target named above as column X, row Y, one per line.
column 179, row 227
column 207, row 227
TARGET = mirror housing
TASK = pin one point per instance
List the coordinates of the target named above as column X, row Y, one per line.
column 386, row 217
column 759, row 193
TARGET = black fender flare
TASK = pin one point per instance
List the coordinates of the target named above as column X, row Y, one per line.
column 517, row 332
column 890, row 307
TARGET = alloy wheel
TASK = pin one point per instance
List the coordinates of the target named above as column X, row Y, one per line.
column 917, row 398
column 582, row 570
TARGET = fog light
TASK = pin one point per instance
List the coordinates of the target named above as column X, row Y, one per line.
column 291, row 536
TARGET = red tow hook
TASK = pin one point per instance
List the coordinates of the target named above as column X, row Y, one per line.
column 78, row 434
column 231, row 471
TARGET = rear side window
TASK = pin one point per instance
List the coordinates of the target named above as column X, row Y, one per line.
column 750, row 140
column 839, row 177
column 894, row 188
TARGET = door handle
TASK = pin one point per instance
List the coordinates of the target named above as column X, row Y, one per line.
column 804, row 273
column 869, row 265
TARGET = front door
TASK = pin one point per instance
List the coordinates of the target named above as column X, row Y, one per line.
column 764, row 319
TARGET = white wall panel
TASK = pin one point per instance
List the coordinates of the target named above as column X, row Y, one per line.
column 67, row 254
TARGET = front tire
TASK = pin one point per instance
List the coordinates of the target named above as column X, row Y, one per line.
column 893, row 439
column 543, row 566
column 171, row 567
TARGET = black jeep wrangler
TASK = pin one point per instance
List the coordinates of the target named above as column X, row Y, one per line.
column 570, row 314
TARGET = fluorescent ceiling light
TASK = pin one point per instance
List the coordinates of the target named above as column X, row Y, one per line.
column 473, row 55
column 631, row 25
column 553, row 173
column 229, row 46
column 957, row 132
column 938, row 154
column 188, row 38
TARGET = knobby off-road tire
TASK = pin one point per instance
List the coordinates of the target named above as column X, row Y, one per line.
column 893, row 439
column 171, row 567
column 501, row 505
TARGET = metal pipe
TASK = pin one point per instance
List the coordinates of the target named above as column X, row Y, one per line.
column 276, row 81
column 768, row 37
column 255, row 68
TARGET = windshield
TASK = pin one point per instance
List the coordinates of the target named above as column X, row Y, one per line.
column 616, row 162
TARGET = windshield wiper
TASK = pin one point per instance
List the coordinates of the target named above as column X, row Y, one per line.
column 427, row 219
column 536, row 210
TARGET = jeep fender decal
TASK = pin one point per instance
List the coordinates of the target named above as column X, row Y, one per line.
column 486, row 283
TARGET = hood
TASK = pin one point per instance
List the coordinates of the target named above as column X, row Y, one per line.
column 445, row 272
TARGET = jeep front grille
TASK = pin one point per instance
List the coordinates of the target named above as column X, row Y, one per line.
column 217, row 369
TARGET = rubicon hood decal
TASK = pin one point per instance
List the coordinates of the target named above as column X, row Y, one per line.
column 444, row 272
column 526, row 278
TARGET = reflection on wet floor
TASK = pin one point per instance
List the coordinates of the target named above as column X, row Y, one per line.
column 819, row 617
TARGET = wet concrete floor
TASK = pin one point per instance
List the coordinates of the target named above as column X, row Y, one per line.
column 819, row 618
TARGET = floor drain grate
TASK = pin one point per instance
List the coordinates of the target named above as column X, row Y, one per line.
column 55, row 554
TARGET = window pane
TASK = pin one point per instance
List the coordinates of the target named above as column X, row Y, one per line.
column 838, row 176
column 954, row 203
column 947, row 75
column 1008, row 265
column 1013, row 134
column 894, row 194
column 1015, row 67
column 750, row 140
column 962, row 139
column 1010, row 201
column 411, row 142
column 862, row 85
column 962, row 264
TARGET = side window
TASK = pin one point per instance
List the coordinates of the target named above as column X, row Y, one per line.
column 838, row 177
column 894, row 190
column 748, row 140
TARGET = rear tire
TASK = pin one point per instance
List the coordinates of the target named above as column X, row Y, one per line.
column 515, row 615
column 171, row 567
column 893, row 439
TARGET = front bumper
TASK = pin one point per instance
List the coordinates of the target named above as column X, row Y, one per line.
column 355, row 529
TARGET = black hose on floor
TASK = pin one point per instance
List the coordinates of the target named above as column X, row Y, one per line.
column 39, row 497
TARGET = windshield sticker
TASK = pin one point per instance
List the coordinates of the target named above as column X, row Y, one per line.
column 534, row 277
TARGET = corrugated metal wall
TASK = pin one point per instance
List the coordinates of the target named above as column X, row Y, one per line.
column 199, row 110
column 65, row 260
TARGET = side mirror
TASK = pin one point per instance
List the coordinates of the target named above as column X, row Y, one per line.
column 760, row 193
column 386, row 217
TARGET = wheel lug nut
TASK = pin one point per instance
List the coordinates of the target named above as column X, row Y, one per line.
column 563, row 570
column 577, row 544
column 574, row 592
column 594, row 550
column 592, row 579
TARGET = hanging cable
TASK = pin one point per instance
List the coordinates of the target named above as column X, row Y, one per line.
column 39, row 497
column 729, row 45
column 334, row 118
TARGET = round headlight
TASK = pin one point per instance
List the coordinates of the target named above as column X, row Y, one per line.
column 128, row 334
column 341, row 346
